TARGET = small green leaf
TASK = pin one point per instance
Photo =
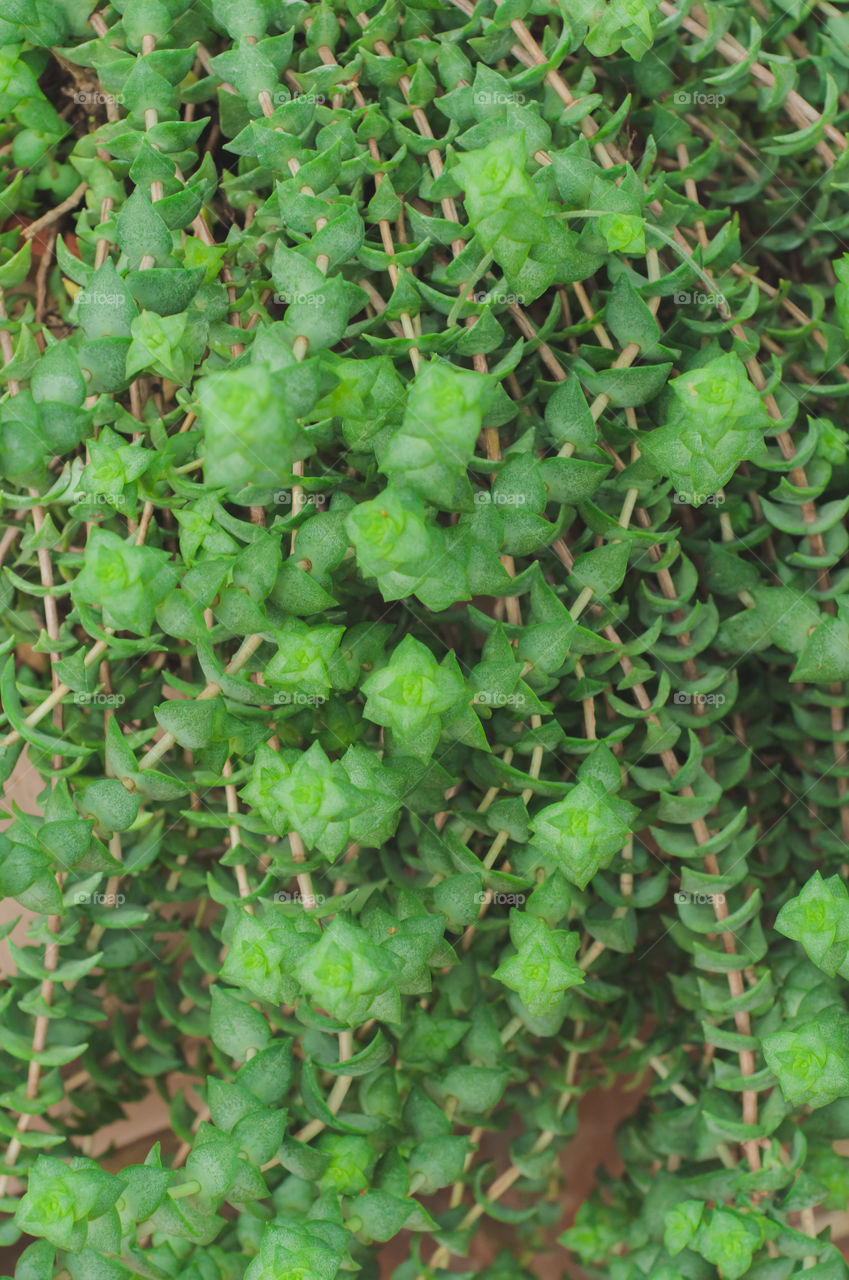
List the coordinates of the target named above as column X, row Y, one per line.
column 236, row 1027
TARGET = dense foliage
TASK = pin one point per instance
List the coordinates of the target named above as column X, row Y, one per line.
column 426, row 604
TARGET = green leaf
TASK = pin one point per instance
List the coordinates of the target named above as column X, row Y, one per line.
column 378, row 1215
column 248, row 442
column 269, row 1073
column 681, row 1224
column 57, row 378
column 16, row 268
column 603, row 569
column 825, row 656
column 584, row 831
column 715, row 421
column 105, row 307
column 818, row 917
column 810, row 1060
column 125, row 580
column 344, row 972
column 544, row 964
column 234, row 1026
column 142, row 232
column 190, row 722
column 111, row 804
column 164, row 290
column 729, row 1240
column 411, row 693
column 430, row 450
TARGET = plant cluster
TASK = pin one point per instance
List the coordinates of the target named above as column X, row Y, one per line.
column 423, row 531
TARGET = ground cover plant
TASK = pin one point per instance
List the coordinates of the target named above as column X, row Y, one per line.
column 423, row 496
